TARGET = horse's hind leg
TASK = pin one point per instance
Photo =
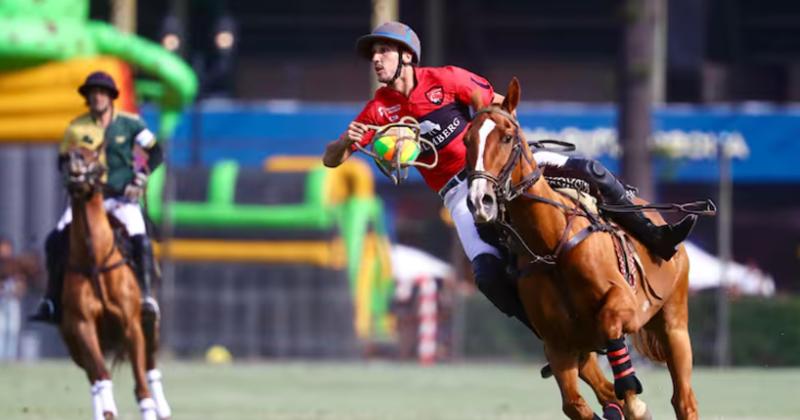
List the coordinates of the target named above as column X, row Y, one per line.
column 565, row 370
column 616, row 316
column 671, row 326
column 590, row 372
column 84, row 347
column 150, row 327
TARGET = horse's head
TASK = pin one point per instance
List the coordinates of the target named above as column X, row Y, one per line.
column 494, row 145
column 83, row 173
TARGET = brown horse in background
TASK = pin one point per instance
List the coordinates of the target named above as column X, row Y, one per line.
column 576, row 295
column 101, row 298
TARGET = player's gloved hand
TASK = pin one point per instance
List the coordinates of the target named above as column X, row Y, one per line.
column 135, row 189
column 355, row 132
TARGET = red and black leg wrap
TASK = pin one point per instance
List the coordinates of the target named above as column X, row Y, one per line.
column 622, row 366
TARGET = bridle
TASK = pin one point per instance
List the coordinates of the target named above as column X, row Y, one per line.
column 504, row 190
column 81, row 173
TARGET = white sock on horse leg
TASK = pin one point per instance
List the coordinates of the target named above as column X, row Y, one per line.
column 103, row 398
column 147, row 407
column 157, row 389
column 97, row 402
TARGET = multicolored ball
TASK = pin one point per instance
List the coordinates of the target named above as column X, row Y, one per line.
column 385, row 146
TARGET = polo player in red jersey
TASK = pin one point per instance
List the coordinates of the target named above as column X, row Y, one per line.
column 439, row 98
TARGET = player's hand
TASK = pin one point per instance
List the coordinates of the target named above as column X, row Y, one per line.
column 135, row 190
column 355, row 132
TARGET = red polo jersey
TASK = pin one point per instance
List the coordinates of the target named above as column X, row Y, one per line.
column 440, row 101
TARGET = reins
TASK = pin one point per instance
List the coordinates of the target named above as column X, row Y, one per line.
column 93, row 272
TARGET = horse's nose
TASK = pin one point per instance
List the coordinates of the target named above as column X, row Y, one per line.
column 487, row 209
column 487, row 201
column 484, row 203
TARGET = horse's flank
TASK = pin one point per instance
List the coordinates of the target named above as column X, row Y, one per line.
column 583, row 272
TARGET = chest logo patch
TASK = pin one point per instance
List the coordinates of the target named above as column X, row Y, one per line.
column 435, row 95
column 390, row 112
column 119, row 139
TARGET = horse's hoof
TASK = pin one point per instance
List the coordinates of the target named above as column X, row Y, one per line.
column 636, row 409
column 613, row 411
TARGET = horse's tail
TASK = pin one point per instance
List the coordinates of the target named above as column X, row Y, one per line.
column 649, row 345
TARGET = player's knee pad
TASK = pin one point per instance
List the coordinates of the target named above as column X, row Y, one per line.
column 598, row 176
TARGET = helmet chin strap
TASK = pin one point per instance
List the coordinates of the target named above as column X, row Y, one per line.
column 397, row 72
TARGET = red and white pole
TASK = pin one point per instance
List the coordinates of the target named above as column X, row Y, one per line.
column 427, row 313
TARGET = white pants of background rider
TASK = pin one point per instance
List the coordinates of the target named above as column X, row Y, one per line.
column 456, row 202
column 129, row 213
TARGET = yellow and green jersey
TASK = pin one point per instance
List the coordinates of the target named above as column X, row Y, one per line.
column 123, row 132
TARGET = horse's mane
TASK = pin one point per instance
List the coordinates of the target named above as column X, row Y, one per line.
column 477, row 101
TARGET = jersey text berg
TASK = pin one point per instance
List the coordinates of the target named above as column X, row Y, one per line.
column 440, row 102
column 443, row 125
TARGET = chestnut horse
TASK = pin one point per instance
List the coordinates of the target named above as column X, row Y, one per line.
column 571, row 285
column 101, row 298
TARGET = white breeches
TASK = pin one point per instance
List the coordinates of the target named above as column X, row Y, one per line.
column 130, row 214
column 456, row 202
column 550, row 158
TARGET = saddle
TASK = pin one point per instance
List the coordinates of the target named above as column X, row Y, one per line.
column 628, row 261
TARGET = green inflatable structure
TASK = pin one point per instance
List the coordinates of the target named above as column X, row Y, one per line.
column 35, row 32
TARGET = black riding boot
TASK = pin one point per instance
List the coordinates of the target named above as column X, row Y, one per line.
column 144, row 265
column 661, row 240
column 55, row 251
column 493, row 281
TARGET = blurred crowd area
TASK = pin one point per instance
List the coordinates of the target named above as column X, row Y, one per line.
column 21, row 273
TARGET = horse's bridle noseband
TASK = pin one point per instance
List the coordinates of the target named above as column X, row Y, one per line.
column 501, row 183
column 505, row 193
column 90, row 174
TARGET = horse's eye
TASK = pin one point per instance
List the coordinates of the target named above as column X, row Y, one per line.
column 507, row 138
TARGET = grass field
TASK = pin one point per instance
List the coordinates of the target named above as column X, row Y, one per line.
column 356, row 391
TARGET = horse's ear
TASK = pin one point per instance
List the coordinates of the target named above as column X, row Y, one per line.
column 512, row 96
column 477, row 101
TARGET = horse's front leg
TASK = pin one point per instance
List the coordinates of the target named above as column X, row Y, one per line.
column 590, row 372
column 565, row 370
column 136, row 351
column 616, row 316
column 84, row 348
column 150, row 328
